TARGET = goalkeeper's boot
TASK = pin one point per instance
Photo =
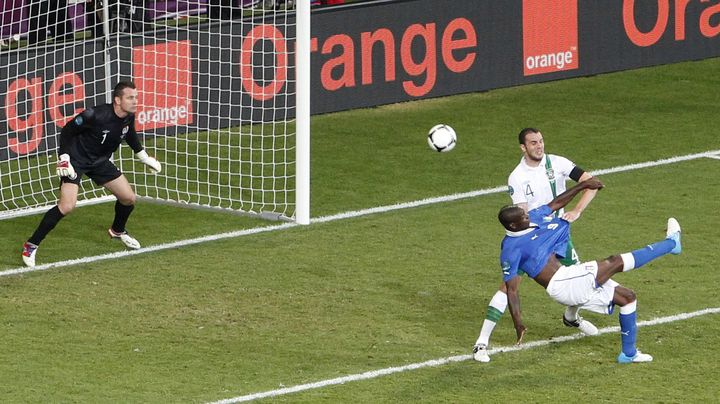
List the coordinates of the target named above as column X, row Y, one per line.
column 638, row 358
column 581, row 324
column 128, row 240
column 28, row 254
column 673, row 233
column 480, row 353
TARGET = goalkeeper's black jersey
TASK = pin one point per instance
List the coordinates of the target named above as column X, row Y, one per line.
column 96, row 133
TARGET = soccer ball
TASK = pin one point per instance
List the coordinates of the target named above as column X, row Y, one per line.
column 442, row 138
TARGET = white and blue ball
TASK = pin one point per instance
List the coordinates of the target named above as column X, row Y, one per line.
column 442, row 138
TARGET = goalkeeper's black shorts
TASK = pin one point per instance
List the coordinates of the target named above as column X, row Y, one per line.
column 101, row 173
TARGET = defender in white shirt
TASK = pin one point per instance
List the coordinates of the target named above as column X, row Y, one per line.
column 537, row 180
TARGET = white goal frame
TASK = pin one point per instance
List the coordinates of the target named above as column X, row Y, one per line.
column 294, row 166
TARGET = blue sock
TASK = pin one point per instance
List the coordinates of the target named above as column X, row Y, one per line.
column 644, row 255
column 628, row 331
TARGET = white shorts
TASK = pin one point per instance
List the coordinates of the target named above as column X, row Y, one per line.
column 575, row 286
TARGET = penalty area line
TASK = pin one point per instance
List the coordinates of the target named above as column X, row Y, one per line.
column 331, row 218
column 452, row 359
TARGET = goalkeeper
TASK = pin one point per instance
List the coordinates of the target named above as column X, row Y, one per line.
column 85, row 147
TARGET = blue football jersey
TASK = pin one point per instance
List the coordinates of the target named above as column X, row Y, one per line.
column 530, row 249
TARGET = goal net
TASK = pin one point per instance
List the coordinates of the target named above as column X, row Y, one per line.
column 217, row 86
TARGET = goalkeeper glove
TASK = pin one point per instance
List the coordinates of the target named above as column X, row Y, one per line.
column 65, row 168
column 149, row 161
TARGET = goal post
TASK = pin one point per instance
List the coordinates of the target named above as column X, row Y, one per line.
column 223, row 102
column 302, row 197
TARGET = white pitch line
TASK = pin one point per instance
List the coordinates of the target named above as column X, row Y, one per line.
column 324, row 219
column 487, row 191
column 443, row 361
column 158, row 247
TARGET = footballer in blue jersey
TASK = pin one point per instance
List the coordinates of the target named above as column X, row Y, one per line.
column 535, row 181
column 529, row 250
column 536, row 240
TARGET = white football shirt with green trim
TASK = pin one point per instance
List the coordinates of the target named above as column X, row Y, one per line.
column 531, row 185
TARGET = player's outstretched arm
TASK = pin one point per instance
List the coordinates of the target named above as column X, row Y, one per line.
column 134, row 142
column 563, row 199
column 585, row 199
column 513, row 296
column 149, row 161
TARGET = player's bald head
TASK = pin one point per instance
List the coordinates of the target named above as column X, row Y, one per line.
column 509, row 215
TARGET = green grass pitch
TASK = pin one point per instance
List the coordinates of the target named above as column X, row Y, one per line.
column 305, row 304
